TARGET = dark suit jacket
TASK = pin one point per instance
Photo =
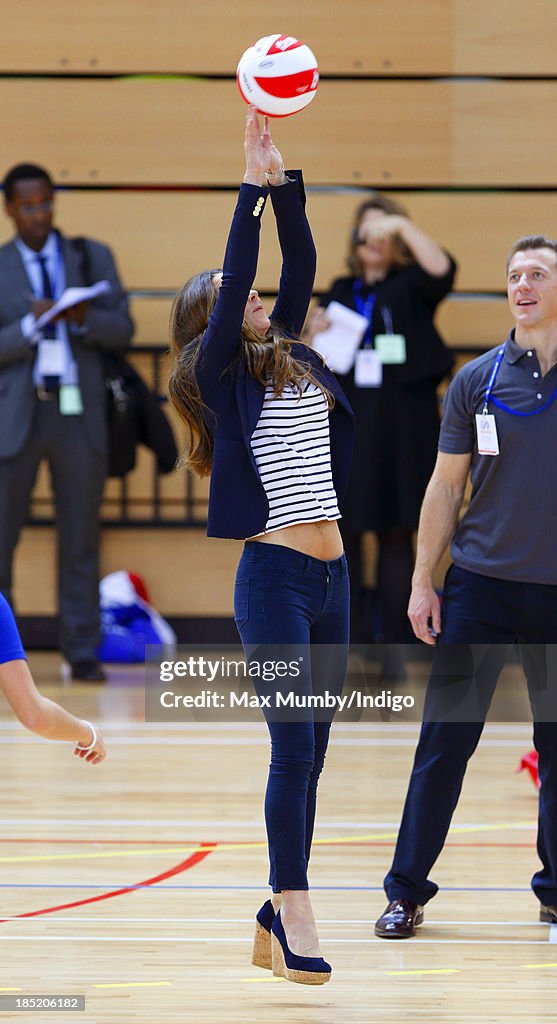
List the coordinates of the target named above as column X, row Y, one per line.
column 238, row 505
column 109, row 327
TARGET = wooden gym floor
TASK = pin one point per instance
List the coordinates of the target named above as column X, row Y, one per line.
column 135, row 883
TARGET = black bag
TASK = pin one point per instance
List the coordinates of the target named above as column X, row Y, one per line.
column 134, row 417
column 133, row 411
column 121, row 415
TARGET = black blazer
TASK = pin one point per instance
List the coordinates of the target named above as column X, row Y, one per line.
column 238, row 505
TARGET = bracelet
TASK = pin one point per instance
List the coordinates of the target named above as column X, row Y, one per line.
column 93, row 742
column 274, row 175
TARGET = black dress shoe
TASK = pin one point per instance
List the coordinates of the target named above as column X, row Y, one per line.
column 548, row 914
column 400, row 919
column 88, row 671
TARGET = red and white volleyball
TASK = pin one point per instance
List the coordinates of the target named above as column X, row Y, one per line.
column 279, row 75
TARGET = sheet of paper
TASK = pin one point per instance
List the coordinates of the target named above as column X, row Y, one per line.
column 71, row 297
column 340, row 342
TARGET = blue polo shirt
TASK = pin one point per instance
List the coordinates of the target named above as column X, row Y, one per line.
column 509, row 529
column 10, row 643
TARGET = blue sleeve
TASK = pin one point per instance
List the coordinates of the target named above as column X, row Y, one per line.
column 221, row 339
column 220, row 343
column 10, row 643
column 298, row 255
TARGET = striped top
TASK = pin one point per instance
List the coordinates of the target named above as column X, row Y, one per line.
column 292, row 449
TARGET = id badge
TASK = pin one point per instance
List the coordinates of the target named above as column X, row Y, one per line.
column 50, row 362
column 391, row 348
column 486, row 429
column 368, row 371
column 71, row 403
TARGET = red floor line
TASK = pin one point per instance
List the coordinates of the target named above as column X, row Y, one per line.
column 184, row 865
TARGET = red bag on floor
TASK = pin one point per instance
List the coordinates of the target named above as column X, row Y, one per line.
column 530, row 763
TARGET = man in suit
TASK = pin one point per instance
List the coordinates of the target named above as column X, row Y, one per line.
column 52, row 399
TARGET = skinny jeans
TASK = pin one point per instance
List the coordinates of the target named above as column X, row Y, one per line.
column 293, row 608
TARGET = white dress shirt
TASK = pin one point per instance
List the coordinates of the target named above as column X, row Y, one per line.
column 57, row 273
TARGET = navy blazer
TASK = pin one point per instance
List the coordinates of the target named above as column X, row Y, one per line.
column 238, row 505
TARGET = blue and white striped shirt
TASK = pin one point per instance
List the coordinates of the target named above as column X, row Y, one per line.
column 292, row 449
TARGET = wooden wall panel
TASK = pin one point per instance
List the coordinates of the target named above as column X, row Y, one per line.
column 400, row 133
column 151, row 316
column 161, row 238
column 190, row 132
column 387, row 37
column 185, row 36
column 474, row 323
column 186, row 573
column 477, row 227
column 499, row 133
column 504, row 38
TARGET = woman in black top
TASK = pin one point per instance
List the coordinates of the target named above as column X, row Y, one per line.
column 398, row 276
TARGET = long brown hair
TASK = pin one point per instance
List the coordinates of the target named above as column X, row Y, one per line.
column 377, row 201
column 268, row 358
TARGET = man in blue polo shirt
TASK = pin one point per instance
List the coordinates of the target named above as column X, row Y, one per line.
column 500, row 419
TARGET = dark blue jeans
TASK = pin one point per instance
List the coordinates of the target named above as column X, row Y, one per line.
column 481, row 618
column 286, row 602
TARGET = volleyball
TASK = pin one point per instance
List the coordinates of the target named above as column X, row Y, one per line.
column 278, row 74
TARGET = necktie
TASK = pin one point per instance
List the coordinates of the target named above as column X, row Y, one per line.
column 50, row 383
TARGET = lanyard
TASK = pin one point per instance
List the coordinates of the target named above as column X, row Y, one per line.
column 492, row 378
column 365, row 307
column 502, row 405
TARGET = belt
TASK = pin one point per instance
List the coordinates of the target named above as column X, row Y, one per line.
column 46, row 396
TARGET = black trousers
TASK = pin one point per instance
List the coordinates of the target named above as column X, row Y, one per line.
column 77, row 475
column 482, row 618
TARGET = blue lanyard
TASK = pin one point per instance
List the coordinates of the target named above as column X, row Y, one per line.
column 493, row 376
column 365, row 307
column 501, row 405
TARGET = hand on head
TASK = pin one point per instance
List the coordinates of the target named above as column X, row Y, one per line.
column 261, row 153
column 381, row 227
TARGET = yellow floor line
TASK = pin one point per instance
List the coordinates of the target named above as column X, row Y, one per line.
column 445, row 970
column 261, row 981
column 132, row 984
column 231, row 846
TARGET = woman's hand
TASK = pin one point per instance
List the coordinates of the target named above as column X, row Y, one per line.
column 261, row 153
column 91, row 748
column 317, row 322
column 385, row 227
